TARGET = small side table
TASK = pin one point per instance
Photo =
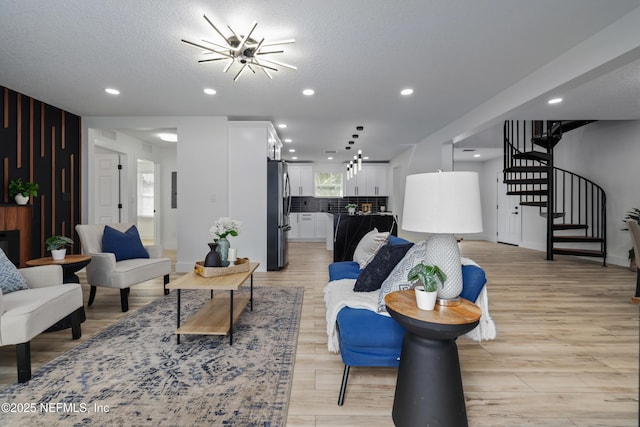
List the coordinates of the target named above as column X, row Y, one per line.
column 429, row 385
column 71, row 264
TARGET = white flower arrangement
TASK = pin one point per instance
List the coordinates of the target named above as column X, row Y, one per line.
column 224, row 227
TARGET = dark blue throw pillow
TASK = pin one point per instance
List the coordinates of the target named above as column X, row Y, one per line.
column 371, row 278
column 125, row 245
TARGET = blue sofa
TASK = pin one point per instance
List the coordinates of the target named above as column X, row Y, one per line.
column 367, row 338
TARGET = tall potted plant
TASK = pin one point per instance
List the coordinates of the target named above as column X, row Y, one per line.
column 426, row 279
column 20, row 190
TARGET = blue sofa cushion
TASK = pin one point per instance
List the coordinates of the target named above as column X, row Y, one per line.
column 473, row 280
column 125, row 245
column 372, row 276
column 395, row 240
column 343, row 270
column 360, row 346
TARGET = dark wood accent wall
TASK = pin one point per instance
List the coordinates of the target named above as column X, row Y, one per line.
column 14, row 217
column 42, row 143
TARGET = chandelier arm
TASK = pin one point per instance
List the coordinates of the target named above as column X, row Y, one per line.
column 217, row 30
column 255, row 62
column 288, row 41
column 282, row 64
column 240, row 72
column 234, row 34
column 206, row 48
column 251, row 68
column 270, row 52
column 266, row 72
column 202, row 61
column 245, row 38
column 216, row 44
column 226, row 68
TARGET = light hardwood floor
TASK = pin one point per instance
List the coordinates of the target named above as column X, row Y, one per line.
column 566, row 353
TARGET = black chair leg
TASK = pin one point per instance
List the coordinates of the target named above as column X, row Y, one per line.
column 76, row 331
column 92, row 295
column 638, row 283
column 343, row 388
column 166, row 280
column 23, row 359
column 124, row 300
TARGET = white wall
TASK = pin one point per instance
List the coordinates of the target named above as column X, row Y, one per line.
column 202, row 175
column 607, row 152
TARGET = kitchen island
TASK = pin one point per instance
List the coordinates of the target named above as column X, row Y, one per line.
column 349, row 229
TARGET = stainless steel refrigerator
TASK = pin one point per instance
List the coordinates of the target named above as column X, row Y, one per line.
column 278, row 210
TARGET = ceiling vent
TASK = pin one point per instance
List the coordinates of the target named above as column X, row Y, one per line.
column 467, row 150
column 329, row 151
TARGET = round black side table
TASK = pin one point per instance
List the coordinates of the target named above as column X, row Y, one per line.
column 429, row 385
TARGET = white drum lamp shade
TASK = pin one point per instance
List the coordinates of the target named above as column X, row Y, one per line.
column 443, row 203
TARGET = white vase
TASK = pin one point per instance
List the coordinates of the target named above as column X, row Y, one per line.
column 352, row 211
column 58, row 254
column 20, row 199
column 425, row 300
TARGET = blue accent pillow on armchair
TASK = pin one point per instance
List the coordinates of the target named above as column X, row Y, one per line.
column 125, row 245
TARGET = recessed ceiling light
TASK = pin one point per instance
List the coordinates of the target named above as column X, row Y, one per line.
column 406, row 92
column 112, row 91
column 210, row 91
column 308, row 92
column 555, row 101
column 282, row 125
column 329, row 158
column 366, row 158
column 294, row 158
column 287, row 140
column 476, row 155
column 169, row 137
column 292, row 150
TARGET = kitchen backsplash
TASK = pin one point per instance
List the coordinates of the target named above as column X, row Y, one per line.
column 316, row 204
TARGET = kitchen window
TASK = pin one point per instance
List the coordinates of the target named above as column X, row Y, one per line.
column 328, row 184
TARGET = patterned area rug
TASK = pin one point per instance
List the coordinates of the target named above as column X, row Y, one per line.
column 134, row 373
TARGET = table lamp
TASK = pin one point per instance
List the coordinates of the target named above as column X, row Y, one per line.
column 443, row 203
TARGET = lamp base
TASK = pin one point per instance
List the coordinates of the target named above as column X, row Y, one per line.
column 449, row 302
column 442, row 250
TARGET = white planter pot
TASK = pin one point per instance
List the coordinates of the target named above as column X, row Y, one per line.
column 58, row 254
column 352, row 211
column 21, row 200
column 425, row 300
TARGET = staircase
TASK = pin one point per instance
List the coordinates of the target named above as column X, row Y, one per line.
column 577, row 223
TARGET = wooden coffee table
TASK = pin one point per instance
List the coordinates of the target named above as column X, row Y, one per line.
column 218, row 315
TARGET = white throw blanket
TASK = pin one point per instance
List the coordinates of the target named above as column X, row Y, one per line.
column 339, row 294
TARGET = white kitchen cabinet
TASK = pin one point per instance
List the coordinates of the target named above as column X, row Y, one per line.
column 370, row 181
column 301, row 179
column 320, row 226
column 293, row 234
column 306, row 226
column 376, row 180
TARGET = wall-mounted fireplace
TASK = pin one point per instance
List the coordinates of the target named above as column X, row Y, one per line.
column 10, row 244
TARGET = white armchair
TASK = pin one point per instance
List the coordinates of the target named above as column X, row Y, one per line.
column 104, row 270
column 27, row 313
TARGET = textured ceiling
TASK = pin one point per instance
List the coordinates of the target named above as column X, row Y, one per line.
column 356, row 54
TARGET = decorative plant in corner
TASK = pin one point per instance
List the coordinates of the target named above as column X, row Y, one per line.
column 635, row 215
column 21, row 190
column 429, row 276
column 57, row 245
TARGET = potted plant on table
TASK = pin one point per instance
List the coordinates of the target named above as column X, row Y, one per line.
column 58, row 246
column 20, row 190
column 351, row 208
column 426, row 279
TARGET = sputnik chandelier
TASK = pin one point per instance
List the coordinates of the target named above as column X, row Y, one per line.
column 246, row 51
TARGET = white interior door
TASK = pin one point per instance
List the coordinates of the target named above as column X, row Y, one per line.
column 509, row 215
column 107, row 188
